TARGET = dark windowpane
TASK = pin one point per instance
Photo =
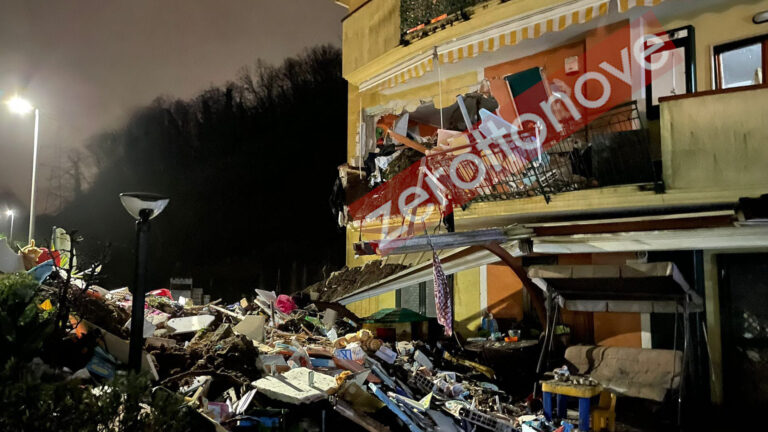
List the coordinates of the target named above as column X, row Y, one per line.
column 409, row 297
column 431, row 299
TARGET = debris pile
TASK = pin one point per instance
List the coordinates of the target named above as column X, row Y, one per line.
column 250, row 364
column 348, row 279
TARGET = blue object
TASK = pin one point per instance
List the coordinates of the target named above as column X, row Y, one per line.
column 490, row 325
column 584, row 414
column 41, row 271
column 546, row 398
column 343, row 354
column 584, row 405
column 562, row 406
column 322, row 362
column 394, row 408
column 101, row 364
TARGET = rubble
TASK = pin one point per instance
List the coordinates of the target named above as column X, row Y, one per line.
column 348, row 279
column 189, row 324
column 247, row 365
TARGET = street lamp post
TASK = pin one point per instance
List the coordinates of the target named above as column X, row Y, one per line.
column 22, row 107
column 143, row 207
column 10, row 234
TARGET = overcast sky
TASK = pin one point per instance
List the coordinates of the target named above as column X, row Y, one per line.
column 88, row 63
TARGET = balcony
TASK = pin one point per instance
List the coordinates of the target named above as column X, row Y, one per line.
column 611, row 153
column 716, row 140
column 420, row 18
column 612, row 150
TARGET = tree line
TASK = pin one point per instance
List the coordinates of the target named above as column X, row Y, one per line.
column 248, row 166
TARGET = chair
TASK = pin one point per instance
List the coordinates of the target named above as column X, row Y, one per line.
column 604, row 416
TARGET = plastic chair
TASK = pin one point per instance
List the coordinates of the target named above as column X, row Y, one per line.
column 604, row 416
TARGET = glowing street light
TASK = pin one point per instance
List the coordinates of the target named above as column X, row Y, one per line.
column 19, row 105
column 10, row 234
column 22, row 106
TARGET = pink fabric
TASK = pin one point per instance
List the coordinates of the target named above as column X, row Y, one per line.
column 162, row 292
column 285, row 304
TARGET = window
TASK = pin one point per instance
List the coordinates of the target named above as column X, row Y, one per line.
column 741, row 63
column 418, row 298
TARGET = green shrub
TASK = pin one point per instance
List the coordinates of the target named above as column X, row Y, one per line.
column 35, row 397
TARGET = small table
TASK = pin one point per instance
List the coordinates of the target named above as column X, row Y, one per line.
column 563, row 390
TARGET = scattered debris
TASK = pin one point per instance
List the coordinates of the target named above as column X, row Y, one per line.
column 247, row 365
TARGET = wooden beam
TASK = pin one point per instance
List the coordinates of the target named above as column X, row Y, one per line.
column 405, row 141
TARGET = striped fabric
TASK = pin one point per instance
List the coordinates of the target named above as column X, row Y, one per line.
column 414, row 71
column 512, row 37
column 625, row 5
column 442, row 296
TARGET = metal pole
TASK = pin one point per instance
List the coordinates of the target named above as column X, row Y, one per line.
column 10, row 234
column 137, row 308
column 684, row 369
column 34, row 176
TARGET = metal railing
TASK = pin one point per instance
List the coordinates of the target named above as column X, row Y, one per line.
column 613, row 149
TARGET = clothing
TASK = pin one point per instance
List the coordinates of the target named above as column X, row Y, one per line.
column 442, row 296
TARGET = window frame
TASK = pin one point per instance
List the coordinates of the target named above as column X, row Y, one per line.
column 719, row 50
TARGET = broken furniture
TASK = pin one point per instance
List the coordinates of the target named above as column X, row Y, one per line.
column 656, row 287
column 564, row 390
column 633, row 372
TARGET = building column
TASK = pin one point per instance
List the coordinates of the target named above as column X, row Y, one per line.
column 483, row 287
column 712, row 300
column 645, row 330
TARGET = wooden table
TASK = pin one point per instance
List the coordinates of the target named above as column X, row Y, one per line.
column 564, row 390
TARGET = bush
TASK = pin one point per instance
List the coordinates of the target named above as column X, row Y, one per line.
column 38, row 397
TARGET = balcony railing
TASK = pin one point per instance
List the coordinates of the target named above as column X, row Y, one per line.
column 419, row 18
column 612, row 150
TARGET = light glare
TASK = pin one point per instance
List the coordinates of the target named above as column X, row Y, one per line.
column 19, row 105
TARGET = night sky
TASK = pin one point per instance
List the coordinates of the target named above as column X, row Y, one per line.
column 87, row 64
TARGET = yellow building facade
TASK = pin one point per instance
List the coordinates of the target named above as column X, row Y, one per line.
column 710, row 147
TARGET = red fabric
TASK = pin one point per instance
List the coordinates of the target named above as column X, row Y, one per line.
column 162, row 292
column 47, row 255
column 285, row 304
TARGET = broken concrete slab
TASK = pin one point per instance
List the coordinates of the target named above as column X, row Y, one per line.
column 252, row 326
column 149, row 328
column 190, row 324
column 294, row 386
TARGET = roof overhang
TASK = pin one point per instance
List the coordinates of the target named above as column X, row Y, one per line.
column 450, row 240
column 744, row 237
column 453, row 261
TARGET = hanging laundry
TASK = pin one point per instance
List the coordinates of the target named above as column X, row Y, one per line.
column 442, row 296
